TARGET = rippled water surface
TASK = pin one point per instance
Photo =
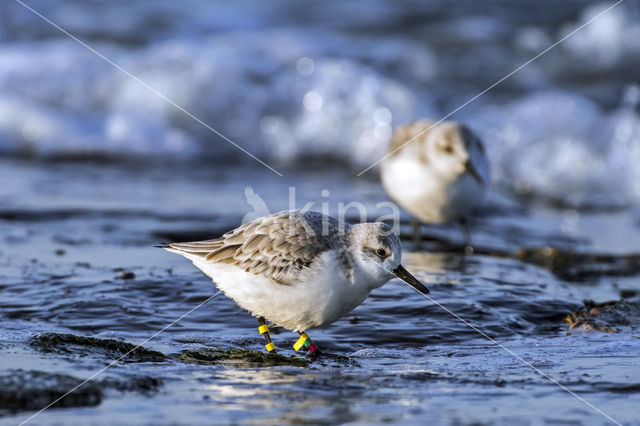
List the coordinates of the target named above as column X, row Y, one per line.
column 538, row 326
column 77, row 257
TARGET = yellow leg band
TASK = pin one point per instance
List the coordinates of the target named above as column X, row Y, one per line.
column 270, row 346
column 303, row 338
column 263, row 329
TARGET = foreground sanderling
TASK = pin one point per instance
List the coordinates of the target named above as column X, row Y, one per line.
column 299, row 270
column 438, row 177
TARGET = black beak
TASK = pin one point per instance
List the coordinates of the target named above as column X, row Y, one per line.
column 471, row 169
column 404, row 275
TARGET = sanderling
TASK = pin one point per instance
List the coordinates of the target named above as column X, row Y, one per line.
column 438, row 177
column 299, row 270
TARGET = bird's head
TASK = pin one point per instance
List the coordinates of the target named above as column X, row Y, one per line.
column 378, row 253
column 454, row 150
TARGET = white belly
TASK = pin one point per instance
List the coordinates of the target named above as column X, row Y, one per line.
column 427, row 196
column 322, row 296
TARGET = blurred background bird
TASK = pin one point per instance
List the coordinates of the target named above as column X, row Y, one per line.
column 438, row 172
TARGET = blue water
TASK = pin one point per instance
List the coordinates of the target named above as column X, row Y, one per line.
column 96, row 169
column 400, row 357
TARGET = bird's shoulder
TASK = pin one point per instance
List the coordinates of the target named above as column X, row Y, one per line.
column 403, row 134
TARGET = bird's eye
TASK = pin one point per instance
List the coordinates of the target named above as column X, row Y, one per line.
column 448, row 149
column 381, row 252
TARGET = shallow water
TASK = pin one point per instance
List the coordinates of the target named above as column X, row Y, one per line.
column 96, row 170
column 77, row 257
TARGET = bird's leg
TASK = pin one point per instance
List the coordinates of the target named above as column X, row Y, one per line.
column 417, row 235
column 305, row 341
column 468, row 248
column 264, row 330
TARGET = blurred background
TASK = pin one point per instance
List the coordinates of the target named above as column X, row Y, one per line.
column 96, row 168
column 291, row 82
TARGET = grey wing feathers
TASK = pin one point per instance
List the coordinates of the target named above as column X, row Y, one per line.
column 197, row 247
column 277, row 246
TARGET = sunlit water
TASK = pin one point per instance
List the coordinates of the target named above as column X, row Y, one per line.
column 96, row 170
column 399, row 357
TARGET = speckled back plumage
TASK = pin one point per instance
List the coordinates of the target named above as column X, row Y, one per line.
column 402, row 135
column 277, row 246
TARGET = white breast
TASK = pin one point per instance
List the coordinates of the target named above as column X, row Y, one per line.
column 430, row 197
